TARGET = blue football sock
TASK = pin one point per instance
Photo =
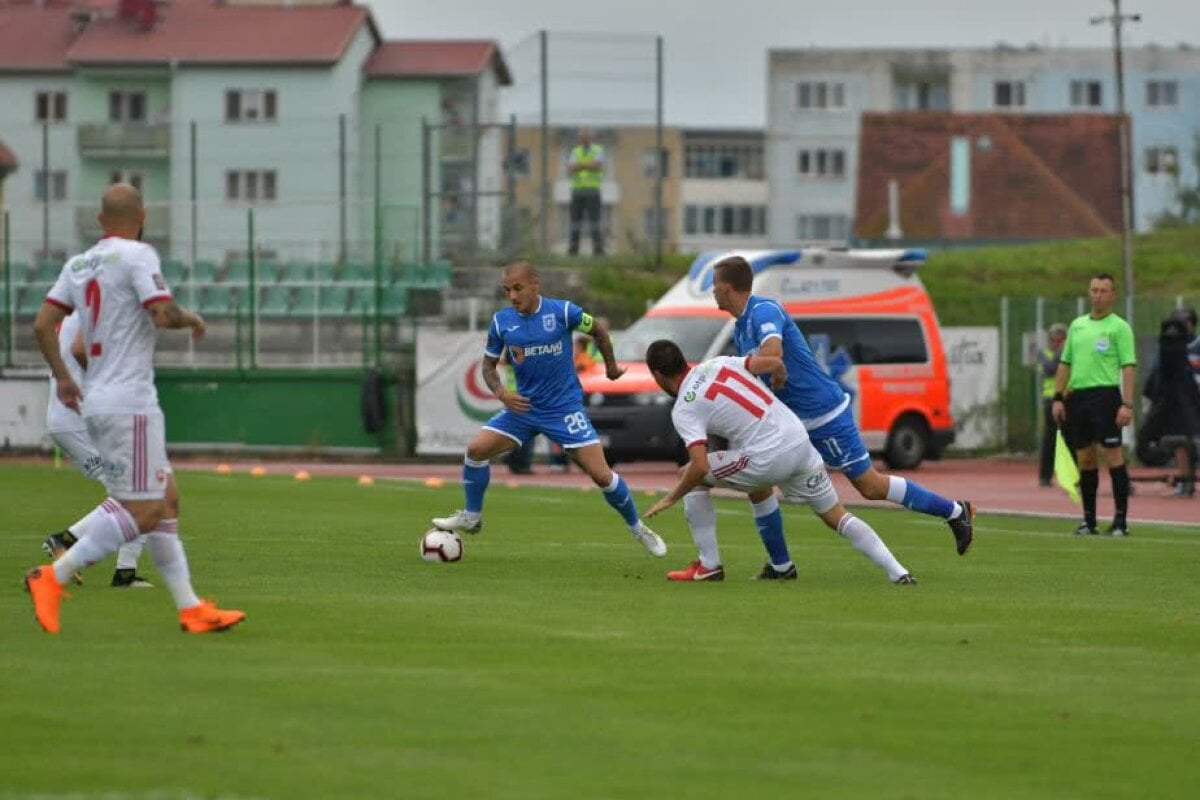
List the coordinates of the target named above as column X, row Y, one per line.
column 918, row 498
column 769, row 520
column 617, row 495
column 476, row 475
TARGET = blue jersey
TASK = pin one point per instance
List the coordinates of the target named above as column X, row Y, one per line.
column 809, row 391
column 540, row 348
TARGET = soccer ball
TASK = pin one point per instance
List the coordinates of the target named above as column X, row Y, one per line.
column 438, row 545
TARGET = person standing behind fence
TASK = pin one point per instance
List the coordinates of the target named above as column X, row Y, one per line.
column 1093, row 399
column 586, row 167
column 1048, row 367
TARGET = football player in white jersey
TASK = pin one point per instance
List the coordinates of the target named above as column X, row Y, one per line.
column 118, row 288
column 768, row 446
column 68, row 431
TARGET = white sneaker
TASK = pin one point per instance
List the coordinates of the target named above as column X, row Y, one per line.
column 458, row 521
column 650, row 540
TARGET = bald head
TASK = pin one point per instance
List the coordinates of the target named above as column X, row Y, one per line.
column 121, row 211
column 520, row 269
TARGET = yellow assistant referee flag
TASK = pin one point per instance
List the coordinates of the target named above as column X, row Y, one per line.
column 1066, row 472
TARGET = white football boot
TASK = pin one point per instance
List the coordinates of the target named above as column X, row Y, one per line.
column 458, row 521
column 650, row 540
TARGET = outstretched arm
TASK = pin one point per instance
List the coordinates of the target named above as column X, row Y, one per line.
column 693, row 475
column 604, row 345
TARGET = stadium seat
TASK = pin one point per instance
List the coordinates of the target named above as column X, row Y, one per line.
column 215, row 301
column 297, row 272
column 273, row 300
column 407, row 274
column 395, row 301
column 358, row 272
column 236, row 271
column 204, row 272
column 327, row 272
column 29, row 300
column 47, row 273
column 301, row 301
column 174, row 271
column 19, row 272
column 334, row 300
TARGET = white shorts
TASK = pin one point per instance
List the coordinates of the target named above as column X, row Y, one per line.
column 78, row 445
column 799, row 473
column 134, row 450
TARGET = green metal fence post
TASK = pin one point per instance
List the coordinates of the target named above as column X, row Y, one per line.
column 8, row 298
column 378, row 247
column 252, row 304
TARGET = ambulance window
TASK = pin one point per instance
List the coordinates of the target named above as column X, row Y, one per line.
column 890, row 341
column 831, row 332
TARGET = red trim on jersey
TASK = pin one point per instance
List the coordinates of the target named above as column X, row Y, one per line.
column 746, row 363
column 698, row 441
column 156, row 298
column 721, row 473
column 60, row 304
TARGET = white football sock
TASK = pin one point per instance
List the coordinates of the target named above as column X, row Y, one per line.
column 98, row 536
column 896, row 489
column 130, row 552
column 867, row 542
column 172, row 563
column 702, row 521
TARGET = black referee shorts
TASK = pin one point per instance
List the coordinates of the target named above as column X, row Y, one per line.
column 1092, row 417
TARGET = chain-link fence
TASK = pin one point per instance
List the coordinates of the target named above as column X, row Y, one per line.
column 1023, row 324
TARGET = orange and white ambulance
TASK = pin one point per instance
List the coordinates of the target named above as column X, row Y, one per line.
column 865, row 314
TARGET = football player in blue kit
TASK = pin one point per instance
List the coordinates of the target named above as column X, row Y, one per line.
column 538, row 332
column 764, row 328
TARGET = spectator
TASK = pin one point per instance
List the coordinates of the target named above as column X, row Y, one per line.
column 586, row 168
column 1047, row 366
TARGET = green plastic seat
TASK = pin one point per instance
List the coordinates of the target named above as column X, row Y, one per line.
column 236, row 271
column 358, row 272
column 216, row 301
column 327, row 272
column 273, row 301
column 301, row 301
column 334, row 300
column 395, row 301
column 174, row 271
column 297, row 272
column 204, row 272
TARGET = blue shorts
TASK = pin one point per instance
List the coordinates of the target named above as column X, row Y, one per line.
column 569, row 427
column 841, row 445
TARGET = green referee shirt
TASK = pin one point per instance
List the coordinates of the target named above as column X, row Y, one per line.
column 1096, row 349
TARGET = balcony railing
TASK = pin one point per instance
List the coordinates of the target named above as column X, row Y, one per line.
column 142, row 139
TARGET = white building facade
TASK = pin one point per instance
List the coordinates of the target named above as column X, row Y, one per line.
column 815, row 99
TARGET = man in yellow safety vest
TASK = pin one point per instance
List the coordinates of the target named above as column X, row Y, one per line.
column 586, row 168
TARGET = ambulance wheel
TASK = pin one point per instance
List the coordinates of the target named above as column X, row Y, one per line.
column 907, row 443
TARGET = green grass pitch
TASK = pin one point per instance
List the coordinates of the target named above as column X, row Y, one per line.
column 555, row 661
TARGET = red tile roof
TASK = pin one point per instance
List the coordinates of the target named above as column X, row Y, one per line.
column 184, row 31
column 1033, row 176
column 437, row 58
column 35, row 39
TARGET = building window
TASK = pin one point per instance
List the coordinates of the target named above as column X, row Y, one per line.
column 821, row 163
column 58, row 185
column 819, row 94
column 933, row 95
column 50, row 107
column 1086, row 94
column 743, row 161
column 134, row 179
column 822, row 227
column 1162, row 160
column 250, row 105
column 1008, row 94
column 250, row 186
column 1162, row 93
column 126, row 106
column 725, row 220
column 648, row 166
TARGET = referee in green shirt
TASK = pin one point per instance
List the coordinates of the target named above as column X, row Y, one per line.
column 1093, row 392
